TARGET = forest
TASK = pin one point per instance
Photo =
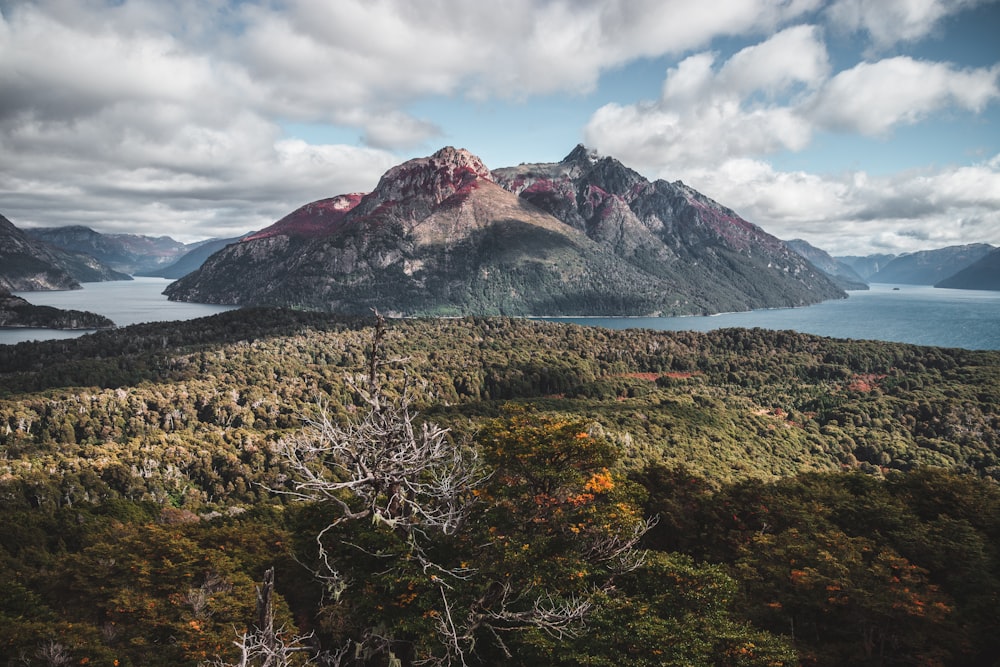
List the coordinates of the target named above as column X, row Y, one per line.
column 488, row 491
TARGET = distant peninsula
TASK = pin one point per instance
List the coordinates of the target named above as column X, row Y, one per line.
column 15, row 312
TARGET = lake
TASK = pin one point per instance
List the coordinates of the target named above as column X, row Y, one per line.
column 917, row 314
column 123, row 301
column 905, row 313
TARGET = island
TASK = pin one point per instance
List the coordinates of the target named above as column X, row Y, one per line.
column 15, row 312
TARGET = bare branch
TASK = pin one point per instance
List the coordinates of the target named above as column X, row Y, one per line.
column 619, row 551
column 263, row 645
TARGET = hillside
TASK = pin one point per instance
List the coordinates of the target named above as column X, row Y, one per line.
column 982, row 275
column 929, row 267
column 671, row 231
column 839, row 272
column 866, row 265
column 131, row 254
column 797, row 480
column 193, row 259
column 439, row 235
column 28, row 264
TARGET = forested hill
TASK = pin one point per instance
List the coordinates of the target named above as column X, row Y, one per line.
column 755, row 402
column 818, row 501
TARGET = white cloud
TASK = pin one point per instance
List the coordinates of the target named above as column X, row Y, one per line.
column 744, row 108
column 856, row 213
column 888, row 22
column 872, row 98
column 323, row 60
column 715, row 122
column 120, row 113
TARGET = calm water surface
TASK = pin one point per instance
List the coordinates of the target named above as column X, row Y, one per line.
column 123, row 301
column 903, row 313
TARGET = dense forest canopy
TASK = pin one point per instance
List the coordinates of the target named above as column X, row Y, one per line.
column 804, row 500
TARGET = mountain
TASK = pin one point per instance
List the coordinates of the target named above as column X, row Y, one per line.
column 17, row 312
column 440, row 235
column 866, row 265
column 929, row 267
column 671, row 231
column 133, row 254
column 28, row 263
column 193, row 259
column 839, row 272
column 983, row 274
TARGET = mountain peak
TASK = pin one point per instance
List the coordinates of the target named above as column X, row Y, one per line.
column 431, row 180
column 582, row 154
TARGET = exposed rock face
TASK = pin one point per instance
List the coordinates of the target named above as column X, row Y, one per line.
column 436, row 236
column 672, row 231
column 312, row 220
column 439, row 235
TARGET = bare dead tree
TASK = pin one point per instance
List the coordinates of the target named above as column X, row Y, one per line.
column 263, row 645
column 385, row 466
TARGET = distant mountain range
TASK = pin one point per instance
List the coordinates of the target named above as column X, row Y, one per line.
column 941, row 267
column 27, row 263
column 193, row 259
column 132, row 254
column 929, row 267
column 984, row 274
column 58, row 258
column 445, row 235
column 840, row 272
column 866, row 266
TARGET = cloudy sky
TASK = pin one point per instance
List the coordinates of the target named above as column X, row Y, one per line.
column 859, row 125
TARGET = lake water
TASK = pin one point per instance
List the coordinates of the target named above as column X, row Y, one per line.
column 900, row 313
column 123, row 301
column 904, row 313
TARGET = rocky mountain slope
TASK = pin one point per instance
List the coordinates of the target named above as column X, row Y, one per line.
column 444, row 235
column 982, row 275
column 132, row 254
column 841, row 273
column 27, row 263
column 671, row 231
